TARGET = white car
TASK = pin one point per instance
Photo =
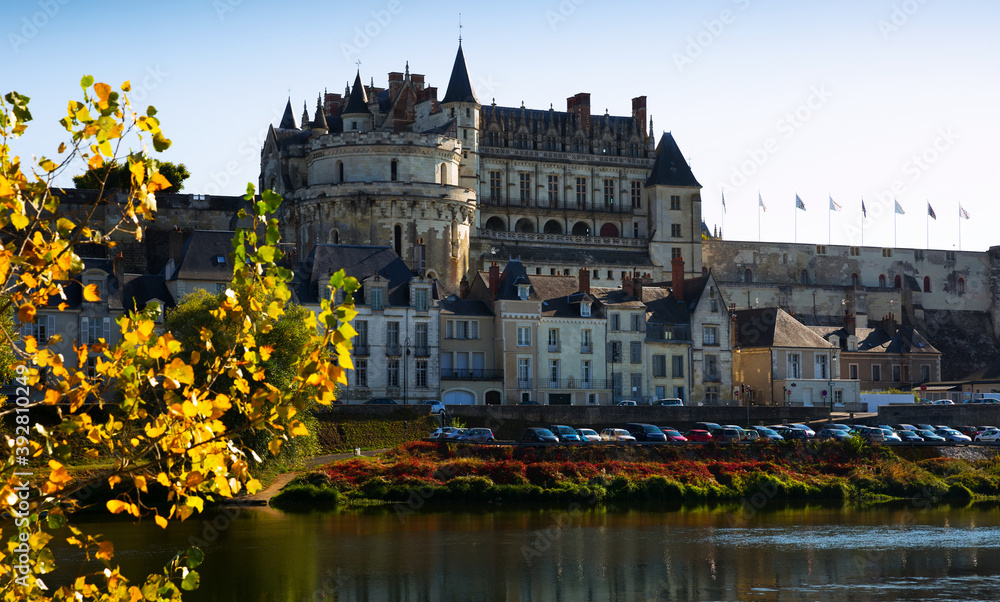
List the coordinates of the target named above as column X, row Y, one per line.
column 435, row 406
column 953, row 435
column 588, row 435
column 626, row 402
column 446, row 432
column 616, row 435
column 991, row 434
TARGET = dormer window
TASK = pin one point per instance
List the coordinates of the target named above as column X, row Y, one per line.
column 376, row 298
column 585, row 309
column 98, row 286
column 522, row 291
column 219, row 260
column 420, row 299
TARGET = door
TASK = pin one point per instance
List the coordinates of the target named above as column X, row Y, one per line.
column 461, row 398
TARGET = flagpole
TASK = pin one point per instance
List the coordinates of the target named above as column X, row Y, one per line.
column 795, row 237
column 758, row 215
column 960, row 226
column 894, row 214
column 829, row 225
column 927, row 221
column 863, row 216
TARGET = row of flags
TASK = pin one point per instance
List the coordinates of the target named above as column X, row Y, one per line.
column 835, row 206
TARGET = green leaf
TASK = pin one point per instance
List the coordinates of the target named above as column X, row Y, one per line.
column 47, row 164
column 86, row 82
column 191, row 581
column 194, row 557
column 56, row 521
column 267, row 254
column 160, row 143
column 250, row 193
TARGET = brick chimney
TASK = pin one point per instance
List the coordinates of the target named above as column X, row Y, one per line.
column 637, row 283
column 175, row 246
column 639, row 111
column 494, row 279
column 889, row 325
column 585, row 281
column 677, row 278
column 463, row 288
column 627, row 284
column 419, row 262
column 850, row 323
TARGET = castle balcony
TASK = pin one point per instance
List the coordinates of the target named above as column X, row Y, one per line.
column 575, row 384
column 500, row 152
column 376, row 189
column 568, row 208
column 563, row 239
column 471, row 374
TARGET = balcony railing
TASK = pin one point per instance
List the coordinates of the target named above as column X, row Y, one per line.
column 393, row 350
column 553, row 347
column 586, row 349
column 361, row 350
column 422, row 351
column 575, row 383
column 558, row 206
column 471, row 374
column 524, row 383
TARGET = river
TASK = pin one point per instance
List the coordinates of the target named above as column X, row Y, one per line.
column 898, row 552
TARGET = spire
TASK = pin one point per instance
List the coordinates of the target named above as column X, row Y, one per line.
column 288, row 120
column 305, row 115
column 358, row 102
column 319, row 122
column 670, row 167
column 459, row 86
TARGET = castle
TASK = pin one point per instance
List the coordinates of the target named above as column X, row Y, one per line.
column 557, row 190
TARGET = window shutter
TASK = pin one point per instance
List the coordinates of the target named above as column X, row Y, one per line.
column 107, row 330
column 85, row 331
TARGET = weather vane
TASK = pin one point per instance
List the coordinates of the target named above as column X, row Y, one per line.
column 358, row 63
column 459, row 28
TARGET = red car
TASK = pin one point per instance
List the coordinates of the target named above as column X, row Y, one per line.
column 672, row 434
column 699, row 435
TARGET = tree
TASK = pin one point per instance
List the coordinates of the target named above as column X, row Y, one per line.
column 165, row 430
column 116, row 176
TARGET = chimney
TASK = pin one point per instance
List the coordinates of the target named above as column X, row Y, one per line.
column 118, row 267
column 463, row 288
column 889, row 325
column 585, row 281
column 639, row 112
column 677, row 278
column 627, row 287
column 850, row 325
column 637, row 283
column 494, row 279
column 176, row 245
column 419, row 264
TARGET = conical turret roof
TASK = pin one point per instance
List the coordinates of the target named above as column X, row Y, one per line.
column 670, row 168
column 459, row 86
column 288, row 119
column 358, row 102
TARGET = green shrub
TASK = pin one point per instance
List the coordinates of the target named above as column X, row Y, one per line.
column 306, row 494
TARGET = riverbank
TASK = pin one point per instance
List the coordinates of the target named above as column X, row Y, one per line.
column 422, row 473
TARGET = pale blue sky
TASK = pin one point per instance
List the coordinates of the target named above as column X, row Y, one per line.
column 784, row 97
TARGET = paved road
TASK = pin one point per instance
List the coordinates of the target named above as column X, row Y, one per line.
column 263, row 497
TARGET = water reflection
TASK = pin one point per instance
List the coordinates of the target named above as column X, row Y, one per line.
column 889, row 553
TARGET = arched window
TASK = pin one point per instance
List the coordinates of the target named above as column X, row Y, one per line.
column 899, row 281
column 581, row 229
column 524, row 225
column 394, row 170
column 927, row 284
column 855, row 281
column 552, row 227
column 804, row 277
column 881, row 281
column 496, row 223
column 340, row 171
column 398, row 240
column 443, row 173
column 748, row 276
column 610, row 230
column 961, row 286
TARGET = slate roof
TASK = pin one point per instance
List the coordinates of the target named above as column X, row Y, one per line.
column 987, row 374
column 200, row 259
column 560, row 295
column 670, row 167
column 288, row 119
column 877, row 340
column 459, row 86
column 361, row 262
column 358, row 102
column 774, row 327
column 511, row 275
column 541, row 121
column 463, row 307
column 140, row 290
column 637, row 258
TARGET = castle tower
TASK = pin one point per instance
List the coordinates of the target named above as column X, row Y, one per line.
column 357, row 117
column 460, row 103
column 674, row 198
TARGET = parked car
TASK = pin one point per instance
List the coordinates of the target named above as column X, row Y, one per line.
column 926, row 427
column 645, row 432
column 617, row 435
column 588, row 435
column 739, row 429
column 538, row 435
column 626, row 402
column 792, row 433
column 669, row 401
column 890, row 435
column 904, row 427
column 729, row 435
column 931, row 436
column 750, row 435
column 454, row 434
column 809, row 431
column 943, row 402
column 529, row 402
column 477, row 435
column 381, row 401
column 434, row 405
column 439, row 433
column 834, row 425
column 968, row 431
column 566, row 434
column 832, row 433
column 953, row 436
column 699, row 435
column 992, row 435
column 706, row 426
column 672, row 434
column 768, row 433
column 909, row 436
column 873, row 435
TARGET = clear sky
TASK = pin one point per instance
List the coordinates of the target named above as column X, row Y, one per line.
column 873, row 99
